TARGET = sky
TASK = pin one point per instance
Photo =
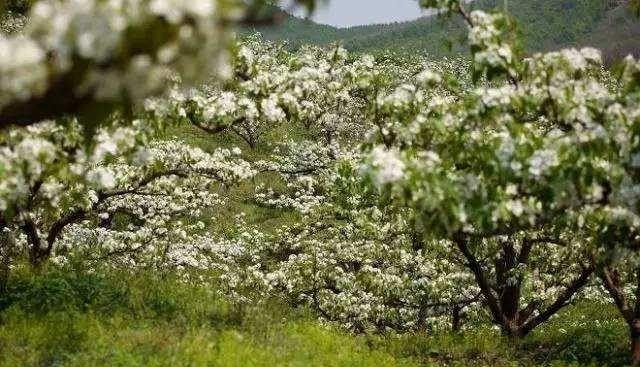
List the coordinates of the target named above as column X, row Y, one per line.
column 347, row 13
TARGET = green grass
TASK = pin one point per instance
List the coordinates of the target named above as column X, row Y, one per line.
column 86, row 339
column 239, row 198
column 65, row 318
column 71, row 317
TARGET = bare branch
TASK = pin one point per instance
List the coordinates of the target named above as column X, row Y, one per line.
column 463, row 12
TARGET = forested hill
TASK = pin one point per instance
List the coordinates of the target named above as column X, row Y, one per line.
column 545, row 24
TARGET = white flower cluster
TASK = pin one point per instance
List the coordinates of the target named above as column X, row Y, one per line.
column 319, row 89
column 522, row 175
column 101, row 50
column 387, row 165
column 487, row 39
column 11, row 22
column 363, row 274
column 55, row 190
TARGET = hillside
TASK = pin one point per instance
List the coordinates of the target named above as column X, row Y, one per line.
column 545, row 25
column 617, row 34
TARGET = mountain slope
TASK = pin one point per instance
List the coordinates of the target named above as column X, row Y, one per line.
column 545, row 25
column 617, row 34
column 298, row 31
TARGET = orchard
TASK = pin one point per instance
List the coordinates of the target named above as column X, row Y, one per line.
column 491, row 193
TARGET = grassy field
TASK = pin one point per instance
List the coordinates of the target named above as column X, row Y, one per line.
column 71, row 317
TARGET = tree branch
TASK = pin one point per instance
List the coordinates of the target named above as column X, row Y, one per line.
column 563, row 299
column 33, row 239
column 463, row 12
column 613, row 287
column 79, row 215
column 528, row 243
column 472, row 263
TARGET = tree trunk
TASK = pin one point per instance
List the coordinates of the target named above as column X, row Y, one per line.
column 509, row 290
column 635, row 342
column 6, row 252
column 612, row 281
column 4, row 269
column 513, row 329
column 635, row 351
column 456, row 319
column 503, row 297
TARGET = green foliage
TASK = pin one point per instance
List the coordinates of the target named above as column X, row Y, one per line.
column 69, row 291
column 16, row 6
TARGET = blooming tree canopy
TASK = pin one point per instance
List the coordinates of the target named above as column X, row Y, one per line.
column 496, row 169
column 85, row 57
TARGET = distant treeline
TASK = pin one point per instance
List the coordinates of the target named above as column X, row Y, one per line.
column 545, row 24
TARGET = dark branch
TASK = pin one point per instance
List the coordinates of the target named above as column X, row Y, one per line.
column 79, row 215
column 476, row 268
column 33, row 238
column 612, row 285
column 563, row 299
column 465, row 15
